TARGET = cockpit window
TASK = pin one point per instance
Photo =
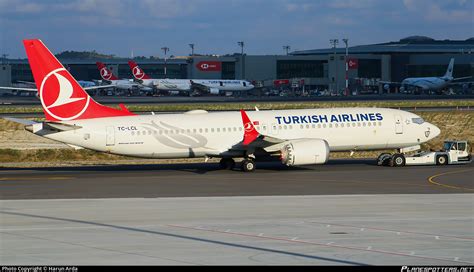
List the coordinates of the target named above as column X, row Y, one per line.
column 418, row 120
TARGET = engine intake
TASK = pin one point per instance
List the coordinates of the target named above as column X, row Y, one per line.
column 305, row 151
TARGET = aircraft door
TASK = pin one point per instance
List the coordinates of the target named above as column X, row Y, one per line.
column 398, row 124
column 463, row 149
column 110, row 137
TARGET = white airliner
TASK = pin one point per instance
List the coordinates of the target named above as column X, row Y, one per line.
column 295, row 137
column 121, row 84
column 213, row 86
column 423, row 84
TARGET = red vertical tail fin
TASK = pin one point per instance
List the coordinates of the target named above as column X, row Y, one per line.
column 61, row 96
column 137, row 72
column 105, row 72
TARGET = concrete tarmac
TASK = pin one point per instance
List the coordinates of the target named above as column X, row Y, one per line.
column 360, row 176
column 349, row 212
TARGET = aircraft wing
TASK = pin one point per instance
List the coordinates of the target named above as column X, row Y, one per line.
column 253, row 139
column 36, row 90
column 392, row 83
column 198, row 85
column 26, row 82
column 461, row 78
column 20, row 89
column 462, row 83
column 388, row 82
column 98, row 87
column 395, row 83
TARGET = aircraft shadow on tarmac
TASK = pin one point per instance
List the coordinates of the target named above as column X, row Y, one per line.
column 197, row 168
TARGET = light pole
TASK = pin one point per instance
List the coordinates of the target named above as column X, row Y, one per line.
column 165, row 49
column 286, row 48
column 334, row 43
column 192, row 48
column 241, row 44
column 346, row 42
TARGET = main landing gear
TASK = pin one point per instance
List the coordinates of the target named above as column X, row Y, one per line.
column 227, row 163
column 248, row 164
column 387, row 159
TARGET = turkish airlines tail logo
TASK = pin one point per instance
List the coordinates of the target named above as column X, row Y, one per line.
column 61, row 96
column 137, row 72
column 65, row 92
column 105, row 73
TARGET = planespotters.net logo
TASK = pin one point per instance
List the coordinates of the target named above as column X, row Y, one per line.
column 60, row 97
column 437, row 268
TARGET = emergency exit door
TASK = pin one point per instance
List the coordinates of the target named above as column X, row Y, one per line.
column 398, row 124
column 110, row 138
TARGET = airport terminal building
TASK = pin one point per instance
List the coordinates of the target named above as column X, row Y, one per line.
column 309, row 69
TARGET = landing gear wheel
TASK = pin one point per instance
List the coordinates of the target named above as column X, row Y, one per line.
column 248, row 165
column 227, row 163
column 397, row 160
column 384, row 159
column 442, row 160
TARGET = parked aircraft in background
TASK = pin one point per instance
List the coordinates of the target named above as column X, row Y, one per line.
column 87, row 85
column 212, row 86
column 424, row 84
column 295, row 137
column 121, row 84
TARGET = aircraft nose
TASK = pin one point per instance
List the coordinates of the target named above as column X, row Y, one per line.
column 434, row 131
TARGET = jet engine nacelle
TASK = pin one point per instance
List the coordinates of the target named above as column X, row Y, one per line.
column 214, row 91
column 305, row 151
column 386, row 87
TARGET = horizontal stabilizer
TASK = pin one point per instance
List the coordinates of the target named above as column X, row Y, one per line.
column 20, row 121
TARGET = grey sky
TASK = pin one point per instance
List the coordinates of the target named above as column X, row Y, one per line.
column 215, row 26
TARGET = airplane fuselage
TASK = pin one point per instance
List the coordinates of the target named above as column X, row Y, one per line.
column 186, row 84
column 427, row 83
column 215, row 134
